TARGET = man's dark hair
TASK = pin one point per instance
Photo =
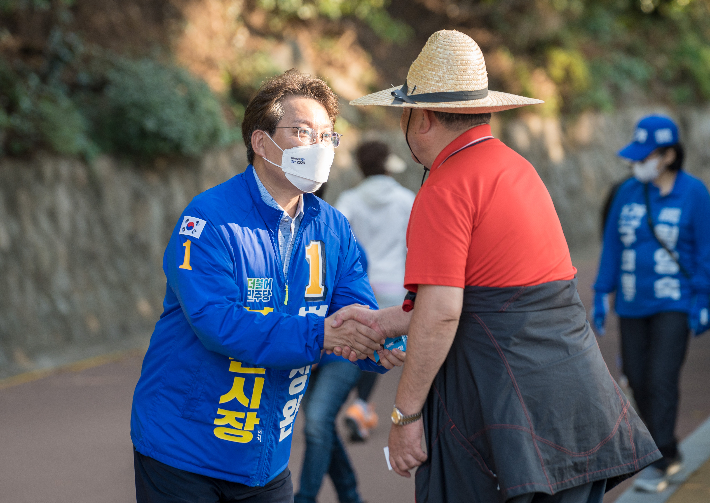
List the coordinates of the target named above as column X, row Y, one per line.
column 457, row 122
column 265, row 109
column 677, row 164
column 371, row 157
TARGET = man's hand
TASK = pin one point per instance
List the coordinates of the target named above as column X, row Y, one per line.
column 391, row 359
column 360, row 339
column 388, row 322
column 356, row 312
column 405, row 445
column 361, row 314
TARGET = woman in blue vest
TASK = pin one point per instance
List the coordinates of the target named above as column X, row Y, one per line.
column 656, row 257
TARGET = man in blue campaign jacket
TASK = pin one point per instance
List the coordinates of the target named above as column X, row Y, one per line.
column 253, row 268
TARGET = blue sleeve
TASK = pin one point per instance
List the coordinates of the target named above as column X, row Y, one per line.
column 352, row 285
column 370, row 366
column 367, row 364
column 609, row 262
column 700, row 282
column 363, row 256
column 205, row 285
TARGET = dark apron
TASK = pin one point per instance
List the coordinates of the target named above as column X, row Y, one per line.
column 525, row 403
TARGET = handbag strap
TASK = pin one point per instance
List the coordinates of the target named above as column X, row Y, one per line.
column 649, row 219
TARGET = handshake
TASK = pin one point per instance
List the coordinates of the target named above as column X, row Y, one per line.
column 356, row 332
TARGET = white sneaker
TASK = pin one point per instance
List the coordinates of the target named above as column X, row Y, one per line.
column 652, row 480
column 675, row 466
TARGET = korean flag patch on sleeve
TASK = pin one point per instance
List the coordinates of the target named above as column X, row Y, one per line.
column 192, row 226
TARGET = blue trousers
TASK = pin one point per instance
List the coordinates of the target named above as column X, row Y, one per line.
column 327, row 391
column 653, row 351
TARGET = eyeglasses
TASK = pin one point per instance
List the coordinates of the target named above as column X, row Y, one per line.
column 308, row 136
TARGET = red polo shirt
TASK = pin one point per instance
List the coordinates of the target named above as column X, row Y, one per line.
column 484, row 218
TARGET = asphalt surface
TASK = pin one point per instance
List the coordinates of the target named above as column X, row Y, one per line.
column 64, row 435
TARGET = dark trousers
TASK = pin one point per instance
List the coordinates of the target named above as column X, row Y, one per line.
column 157, row 482
column 653, row 351
column 365, row 385
column 592, row 492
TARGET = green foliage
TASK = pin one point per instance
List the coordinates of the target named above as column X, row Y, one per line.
column 387, row 28
column 80, row 100
column 570, row 67
column 149, row 109
column 63, row 127
column 602, row 53
column 247, row 73
column 15, row 5
column 9, row 6
column 656, row 48
column 79, row 105
column 372, row 12
column 574, row 54
column 692, row 59
column 33, row 114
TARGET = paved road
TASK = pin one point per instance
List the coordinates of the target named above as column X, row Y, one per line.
column 65, row 437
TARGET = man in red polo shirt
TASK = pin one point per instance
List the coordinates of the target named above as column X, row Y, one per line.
column 517, row 402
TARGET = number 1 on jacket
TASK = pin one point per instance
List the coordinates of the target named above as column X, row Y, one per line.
column 186, row 262
column 315, row 255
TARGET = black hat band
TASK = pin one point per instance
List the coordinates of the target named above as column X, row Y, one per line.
column 401, row 96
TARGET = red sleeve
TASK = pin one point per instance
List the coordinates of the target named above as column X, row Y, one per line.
column 438, row 239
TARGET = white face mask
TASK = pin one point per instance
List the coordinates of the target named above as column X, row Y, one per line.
column 306, row 167
column 647, row 171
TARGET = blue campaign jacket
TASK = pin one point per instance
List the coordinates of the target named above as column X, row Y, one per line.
column 646, row 279
column 230, row 357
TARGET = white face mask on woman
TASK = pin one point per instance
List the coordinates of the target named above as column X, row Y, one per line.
column 647, row 171
column 307, row 167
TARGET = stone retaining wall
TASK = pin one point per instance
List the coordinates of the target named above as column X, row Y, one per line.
column 81, row 251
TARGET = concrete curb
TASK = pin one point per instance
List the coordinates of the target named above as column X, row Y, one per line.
column 696, row 451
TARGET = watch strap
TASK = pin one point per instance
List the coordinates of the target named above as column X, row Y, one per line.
column 404, row 420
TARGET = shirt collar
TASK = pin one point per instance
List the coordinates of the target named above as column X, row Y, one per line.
column 270, row 201
column 468, row 136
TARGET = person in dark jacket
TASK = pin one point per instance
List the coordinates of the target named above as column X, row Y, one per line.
column 502, row 366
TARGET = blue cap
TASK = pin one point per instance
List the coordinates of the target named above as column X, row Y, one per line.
column 652, row 132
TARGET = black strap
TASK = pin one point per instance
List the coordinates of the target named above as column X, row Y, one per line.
column 426, row 170
column 649, row 219
column 473, row 143
column 400, row 96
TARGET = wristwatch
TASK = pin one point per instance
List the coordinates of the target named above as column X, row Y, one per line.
column 400, row 419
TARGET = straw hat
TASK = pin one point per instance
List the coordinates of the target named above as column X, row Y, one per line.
column 449, row 75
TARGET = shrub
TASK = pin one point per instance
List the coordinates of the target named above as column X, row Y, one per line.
column 149, row 109
column 133, row 108
column 33, row 114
